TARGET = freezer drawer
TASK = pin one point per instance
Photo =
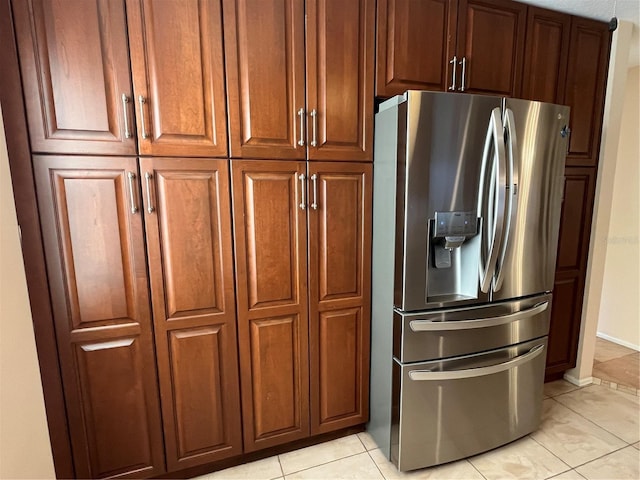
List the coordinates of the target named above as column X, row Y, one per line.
column 451, row 409
column 448, row 333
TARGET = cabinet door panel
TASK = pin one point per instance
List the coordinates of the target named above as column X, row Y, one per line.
column 491, row 39
column 264, row 53
column 340, row 57
column 571, row 267
column 187, row 213
column 339, row 294
column 585, row 89
column 404, row 29
column 74, row 75
column 177, row 59
column 101, row 313
column 271, row 284
column 545, row 58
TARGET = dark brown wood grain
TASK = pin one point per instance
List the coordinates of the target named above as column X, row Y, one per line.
column 271, row 285
column 339, row 72
column 264, row 56
column 188, row 235
column 545, row 57
column 178, row 68
column 416, row 39
column 97, row 275
column 339, row 294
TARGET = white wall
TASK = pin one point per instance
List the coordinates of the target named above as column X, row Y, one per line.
column 619, row 318
column 25, row 451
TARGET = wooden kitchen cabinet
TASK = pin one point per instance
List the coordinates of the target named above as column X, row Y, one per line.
column 585, row 88
column 545, row 58
column 178, row 77
column 473, row 46
column 94, row 245
column 294, row 341
column 75, row 75
column 339, row 219
column 571, row 266
column 271, row 284
column 188, row 232
column 300, row 79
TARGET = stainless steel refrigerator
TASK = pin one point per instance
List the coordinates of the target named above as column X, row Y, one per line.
column 466, row 211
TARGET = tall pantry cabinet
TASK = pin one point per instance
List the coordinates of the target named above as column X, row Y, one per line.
column 176, row 274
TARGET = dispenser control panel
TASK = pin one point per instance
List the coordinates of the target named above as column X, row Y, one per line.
column 449, row 224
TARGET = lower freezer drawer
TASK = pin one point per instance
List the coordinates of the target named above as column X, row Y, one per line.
column 451, row 409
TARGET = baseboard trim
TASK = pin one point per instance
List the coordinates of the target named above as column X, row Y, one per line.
column 624, row 343
column 580, row 382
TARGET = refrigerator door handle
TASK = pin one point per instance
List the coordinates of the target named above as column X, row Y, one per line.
column 511, row 194
column 492, row 172
column 477, row 372
column 444, row 325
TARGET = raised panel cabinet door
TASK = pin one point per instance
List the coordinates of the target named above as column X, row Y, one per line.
column 340, row 73
column 94, row 247
column 178, row 77
column 269, row 211
column 571, row 267
column 585, row 88
column 340, row 197
column 490, row 46
column 416, row 40
column 545, row 57
column 187, row 208
column 75, row 75
column 264, row 55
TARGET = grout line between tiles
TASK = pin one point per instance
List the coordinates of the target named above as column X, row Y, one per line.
column 281, row 469
column 569, row 467
column 476, row 468
column 321, row 464
column 602, row 456
column 374, row 462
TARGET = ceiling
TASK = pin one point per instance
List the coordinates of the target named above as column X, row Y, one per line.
column 601, row 10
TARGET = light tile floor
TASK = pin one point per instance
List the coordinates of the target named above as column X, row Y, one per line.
column 616, row 366
column 591, row 432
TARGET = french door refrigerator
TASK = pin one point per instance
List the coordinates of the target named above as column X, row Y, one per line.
column 466, row 211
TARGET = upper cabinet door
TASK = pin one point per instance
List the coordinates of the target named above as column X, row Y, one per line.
column 75, row 75
column 416, row 40
column 545, row 58
column 178, row 77
column 264, row 52
column 490, row 44
column 585, row 88
column 340, row 57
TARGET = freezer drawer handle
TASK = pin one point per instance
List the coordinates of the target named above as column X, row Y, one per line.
column 439, row 325
column 477, row 372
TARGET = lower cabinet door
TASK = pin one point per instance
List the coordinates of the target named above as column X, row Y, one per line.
column 269, row 210
column 94, row 247
column 339, row 293
column 188, row 224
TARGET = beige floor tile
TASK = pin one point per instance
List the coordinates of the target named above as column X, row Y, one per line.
column 266, row 469
column 623, row 464
column 318, row 454
column 623, row 370
column 367, row 440
column 521, row 460
column 356, row 467
column 570, row 475
column 606, row 350
column 571, row 437
column 615, row 411
column 558, row 387
column 460, row 470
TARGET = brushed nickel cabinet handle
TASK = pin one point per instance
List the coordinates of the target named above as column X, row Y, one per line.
column 454, row 63
column 147, row 177
column 314, row 179
column 303, row 201
column 132, row 176
column 464, row 74
column 142, row 101
column 314, row 126
column 301, row 115
column 125, row 113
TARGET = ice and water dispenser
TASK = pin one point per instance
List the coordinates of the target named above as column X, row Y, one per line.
column 454, row 253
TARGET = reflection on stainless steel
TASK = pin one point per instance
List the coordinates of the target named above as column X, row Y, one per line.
column 467, row 193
